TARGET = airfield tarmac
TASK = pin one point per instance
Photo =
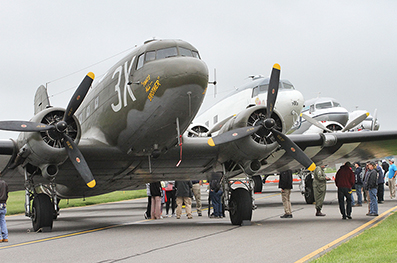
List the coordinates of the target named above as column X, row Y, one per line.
column 117, row 232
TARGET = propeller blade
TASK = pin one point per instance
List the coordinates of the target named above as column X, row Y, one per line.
column 315, row 122
column 374, row 119
column 293, row 150
column 233, row 135
column 78, row 161
column 273, row 89
column 355, row 122
column 78, row 96
column 219, row 125
column 24, row 126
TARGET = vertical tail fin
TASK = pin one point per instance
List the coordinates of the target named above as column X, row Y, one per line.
column 41, row 100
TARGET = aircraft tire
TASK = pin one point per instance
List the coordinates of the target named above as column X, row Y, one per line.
column 240, row 206
column 258, row 183
column 309, row 192
column 42, row 212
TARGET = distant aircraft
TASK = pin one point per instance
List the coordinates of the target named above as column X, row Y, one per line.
column 327, row 115
column 129, row 129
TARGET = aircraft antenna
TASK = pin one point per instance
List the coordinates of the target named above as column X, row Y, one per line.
column 214, row 82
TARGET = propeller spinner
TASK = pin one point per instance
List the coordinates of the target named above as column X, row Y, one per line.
column 269, row 124
column 60, row 127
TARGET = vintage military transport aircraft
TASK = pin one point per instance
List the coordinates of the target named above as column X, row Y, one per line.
column 129, row 129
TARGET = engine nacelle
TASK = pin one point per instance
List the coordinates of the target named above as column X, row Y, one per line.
column 45, row 149
column 257, row 145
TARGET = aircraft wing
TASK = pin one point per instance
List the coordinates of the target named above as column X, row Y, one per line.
column 334, row 148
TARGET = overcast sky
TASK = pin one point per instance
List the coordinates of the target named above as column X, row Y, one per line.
column 341, row 49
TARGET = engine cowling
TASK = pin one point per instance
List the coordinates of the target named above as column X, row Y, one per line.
column 254, row 147
column 45, row 149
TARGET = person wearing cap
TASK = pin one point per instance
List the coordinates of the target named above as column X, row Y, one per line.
column 319, row 188
column 344, row 181
column 372, row 187
column 392, row 178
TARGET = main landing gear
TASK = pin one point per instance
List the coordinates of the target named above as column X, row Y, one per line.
column 306, row 186
column 39, row 206
column 239, row 200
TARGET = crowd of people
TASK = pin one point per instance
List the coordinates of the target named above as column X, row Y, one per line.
column 367, row 182
column 175, row 194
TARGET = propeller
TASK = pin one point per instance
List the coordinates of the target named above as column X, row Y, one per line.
column 349, row 126
column 269, row 124
column 355, row 121
column 60, row 128
column 315, row 122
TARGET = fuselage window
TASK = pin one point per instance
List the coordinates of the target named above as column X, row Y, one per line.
column 324, row 105
column 140, row 61
column 184, row 52
column 215, row 119
column 166, row 53
column 150, row 55
column 336, row 104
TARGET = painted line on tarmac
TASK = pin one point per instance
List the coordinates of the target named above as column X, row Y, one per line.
column 379, row 218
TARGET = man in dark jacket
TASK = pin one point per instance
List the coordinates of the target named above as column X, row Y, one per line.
column 344, row 181
column 184, row 195
column 285, row 183
column 358, row 184
column 372, row 186
column 3, row 211
column 216, row 194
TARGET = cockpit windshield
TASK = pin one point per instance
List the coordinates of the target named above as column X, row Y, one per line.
column 263, row 88
column 165, row 53
column 324, row 105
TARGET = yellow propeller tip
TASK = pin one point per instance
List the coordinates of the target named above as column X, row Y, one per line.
column 91, row 184
column 311, row 167
column 276, row 66
column 91, row 75
column 367, row 114
column 211, row 142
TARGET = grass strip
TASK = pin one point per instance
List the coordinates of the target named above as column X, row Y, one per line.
column 377, row 244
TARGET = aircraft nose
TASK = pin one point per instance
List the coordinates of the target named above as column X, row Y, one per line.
column 187, row 70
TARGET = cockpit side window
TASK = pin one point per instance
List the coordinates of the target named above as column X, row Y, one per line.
column 166, row 53
column 184, row 52
column 324, row 105
column 336, row 104
column 288, row 86
column 259, row 89
column 140, row 61
column 255, row 91
column 195, row 54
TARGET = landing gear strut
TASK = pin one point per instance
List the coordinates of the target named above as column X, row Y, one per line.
column 42, row 211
